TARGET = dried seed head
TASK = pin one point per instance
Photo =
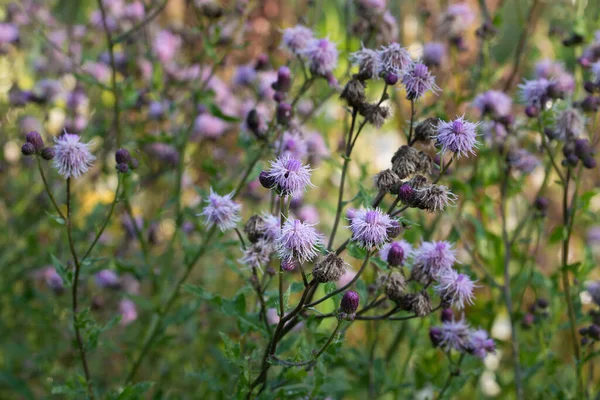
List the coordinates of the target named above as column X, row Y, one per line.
column 255, row 228
column 329, row 269
column 424, row 163
column 354, row 93
column 375, row 114
column 434, row 198
column 395, row 286
column 425, row 130
column 395, row 229
column 422, row 304
column 405, row 161
column 387, row 181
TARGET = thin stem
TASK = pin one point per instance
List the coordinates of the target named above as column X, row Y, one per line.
column 108, row 217
column 60, row 213
column 239, row 235
column 454, row 372
column 282, row 221
column 548, row 150
column 74, row 288
column 412, row 120
column 143, row 23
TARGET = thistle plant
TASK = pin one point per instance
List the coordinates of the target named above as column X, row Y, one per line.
column 316, row 200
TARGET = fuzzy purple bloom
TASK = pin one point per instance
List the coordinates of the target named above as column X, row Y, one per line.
column 417, row 80
column 128, row 311
column 296, row 38
column 493, row 102
column 258, row 254
column 245, row 75
column 72, row 157
column 322, row 56
column 535, row 92
column 298, row 241
column 394, row 58
column 523, row 161
column 480, row 344
column 221, row 211
column 370, row 227
column 434, row 258
column 290, row 176
column 458, row 136
column 293, row 144
column 455, row 288
column 454, row 335
column 272, row 227
column 396, row 253
column 434, row 54
column 368, row 62
column 107, row 278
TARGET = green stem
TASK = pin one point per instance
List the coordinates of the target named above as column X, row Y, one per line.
column 48, row 190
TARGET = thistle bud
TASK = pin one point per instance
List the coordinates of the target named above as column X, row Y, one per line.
column 594, row 332
column 254, row 123
column 542, row 303
column 28, row 149
column 350, row 302
column 35, row 139
column 329, row 269
column 589, row 162
column 122, row 168
column 446, row 315
column 406, row 193
column 541, row 204
column 134, row 163
column 284, row 80
column 391, row 78
column 288, row 265
column 48, row 153
column 255, row 228
column 582, row 148
column 589, row 87
column 279, row 96
column 284, row 113
column 532, row 111
column 435, row 334
column 266, row 180
column 122, row 156
column 262, row 62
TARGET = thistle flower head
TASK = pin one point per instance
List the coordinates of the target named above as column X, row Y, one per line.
column 434, row 198
column 396, row 253
column 290, row 175
column 493, row 102
column 221, row 211
column 107, row 278
column 480, row 344
column 296, row 38
column 387, row 181
column 257, row 255
column 454, row 335
column 298, row 241
column 569, row 124
column 370, row 227
column 272, row 227
column 322, row 56
column 293, row 144
column 395, row 286
column 394, row 59
column 72, row 157
column 434, row 54
column 522, row 160
column 535, row 92
column 455, row 288
column 417, row 80
column 329, row 269
column 458, row 136
column 432, row 259
column 128, row 311
column 368, row 62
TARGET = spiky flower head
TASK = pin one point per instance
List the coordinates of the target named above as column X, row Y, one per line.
column 417, row 80
column 569, row 124
column 272, row 227
column 493, row 102
column 293, row 144
column 434, row 54
column 257, row 255
column 394, row 59
column 290, row 176
column 107, row 278
column 322, row 56
column 329, row 269
column 396, row 253
column 458, row 136
column 432, row 259
column 535, row 92
column 522, row 160
column 296, row 38
column 434, row 198
column 455, row 288
column 480, row 344
column 72, row 157
column 368, row 62
column 221, row 211
column 455, row 335
column 370, row 227
column 298, row 241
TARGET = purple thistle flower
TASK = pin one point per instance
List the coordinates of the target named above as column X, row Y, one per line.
column 454, row 335
column 368, row 62
column 107, row 279
column 493, row 102
column 322, row 55
column 394, row 58
column 595, row 70
column 433, row 258
column 128, row 311
column 523, row 161
column 221, row 211
column 73, row 158
column 258, row 254
column 455, row 288
column 396, row 253
column 296, row 38
column 434, row 54
column 52, row 279
column 494, row 133
column 298, row 241
column 245, row 75
column 535, row 92
column 417, row 80
column 480, row 344
column 290, row 176
column 370, row 227
column 293, row 144
column 458, row 136
column 317, row 148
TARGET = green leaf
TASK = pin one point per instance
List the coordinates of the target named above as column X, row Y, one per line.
column 216, row 111
column 558, row 234
column 56, row 218
column 65, row 274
